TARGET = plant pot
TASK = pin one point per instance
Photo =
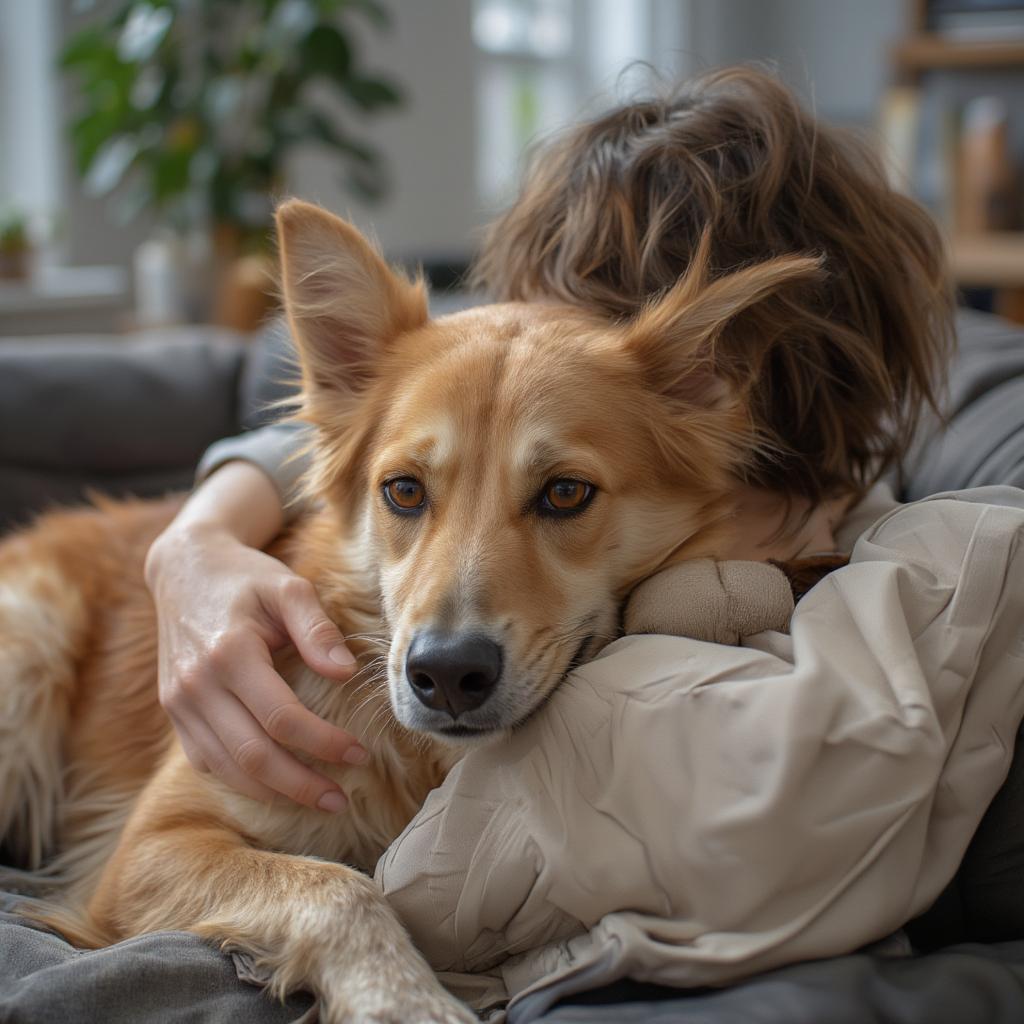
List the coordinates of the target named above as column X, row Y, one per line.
column 15, row 264
column 244, row 281
column 245, row 292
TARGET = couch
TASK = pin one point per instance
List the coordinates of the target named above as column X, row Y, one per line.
column 133, row 416
column 124, row 415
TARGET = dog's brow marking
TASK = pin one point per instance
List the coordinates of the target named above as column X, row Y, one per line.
column 536, row 450
column 537, row 453
column 435, row 443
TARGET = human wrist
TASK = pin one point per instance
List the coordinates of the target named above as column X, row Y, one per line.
column 179, row 538
column 237, row 503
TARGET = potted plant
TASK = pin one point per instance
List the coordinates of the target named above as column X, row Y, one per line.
column 193, row 107
column 15, row 247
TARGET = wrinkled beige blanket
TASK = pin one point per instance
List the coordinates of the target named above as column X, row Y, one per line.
column 689, row 813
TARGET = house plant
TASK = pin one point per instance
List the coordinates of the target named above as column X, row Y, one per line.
column 15, row 247
column 191, row 108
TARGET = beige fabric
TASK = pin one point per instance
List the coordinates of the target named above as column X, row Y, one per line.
column 708, row 600
column 688, row 813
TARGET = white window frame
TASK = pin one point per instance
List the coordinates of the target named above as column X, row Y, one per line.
column 30, row 116
column 612, row 41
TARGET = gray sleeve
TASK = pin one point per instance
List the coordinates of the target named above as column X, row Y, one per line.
column 279, row 449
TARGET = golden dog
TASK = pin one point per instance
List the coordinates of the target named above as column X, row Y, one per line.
column 491, row 486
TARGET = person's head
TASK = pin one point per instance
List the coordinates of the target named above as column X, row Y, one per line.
column 611, row 212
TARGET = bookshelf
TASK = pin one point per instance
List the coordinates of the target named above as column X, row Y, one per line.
column 991, row 260
column 928, row 52
column 930, row 59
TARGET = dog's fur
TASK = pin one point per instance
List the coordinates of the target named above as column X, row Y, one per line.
column 485, row 409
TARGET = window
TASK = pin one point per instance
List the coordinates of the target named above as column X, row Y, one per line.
column 525, row 83
column 30, row 123
column 540, row 61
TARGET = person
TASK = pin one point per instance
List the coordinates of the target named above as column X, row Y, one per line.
column 608, row 216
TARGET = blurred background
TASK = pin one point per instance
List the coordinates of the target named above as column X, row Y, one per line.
column 142, row 143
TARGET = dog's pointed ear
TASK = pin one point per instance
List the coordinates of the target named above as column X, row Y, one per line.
column 674, row 338
column 344, row 303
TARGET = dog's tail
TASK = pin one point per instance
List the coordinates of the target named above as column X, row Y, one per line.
column 73, row 923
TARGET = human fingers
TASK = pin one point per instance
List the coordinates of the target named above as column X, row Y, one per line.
column 318, row 640
column 285, row 719
column 220, row 764
column 250, row 751
column 190, row 747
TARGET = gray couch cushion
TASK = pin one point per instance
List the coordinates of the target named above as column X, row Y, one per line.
column 162, row 978
column 124, row 415
column 116, row 404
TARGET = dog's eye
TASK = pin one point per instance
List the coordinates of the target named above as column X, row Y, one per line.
column 564, row 496
column 405, row 494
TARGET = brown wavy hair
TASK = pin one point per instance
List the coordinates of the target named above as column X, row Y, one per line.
column 837, row 371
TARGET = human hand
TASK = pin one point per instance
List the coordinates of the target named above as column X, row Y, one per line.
column 223, row 608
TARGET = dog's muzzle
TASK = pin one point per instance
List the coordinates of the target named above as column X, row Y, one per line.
column 453, row 672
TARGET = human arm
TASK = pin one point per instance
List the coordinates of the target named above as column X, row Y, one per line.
column 223, row 607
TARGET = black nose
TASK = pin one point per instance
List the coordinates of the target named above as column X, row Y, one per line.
column 452, row 672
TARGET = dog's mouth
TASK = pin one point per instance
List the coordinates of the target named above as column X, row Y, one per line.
column 465, row 732
column 462, row 732
column 580, row 655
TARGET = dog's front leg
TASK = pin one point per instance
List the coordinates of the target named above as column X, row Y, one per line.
column 314, row 924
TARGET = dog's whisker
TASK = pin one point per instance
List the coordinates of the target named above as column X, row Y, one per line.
column 369, row 669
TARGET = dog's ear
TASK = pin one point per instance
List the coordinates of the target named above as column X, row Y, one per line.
column 344, row 303
column 674, row 338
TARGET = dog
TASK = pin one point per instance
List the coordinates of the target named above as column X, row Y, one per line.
column 491, row 485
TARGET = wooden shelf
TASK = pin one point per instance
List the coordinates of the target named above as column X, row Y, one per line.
column 994, row 260
column 925, row 52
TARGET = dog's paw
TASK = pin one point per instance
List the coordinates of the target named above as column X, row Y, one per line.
column 385, row 997
column 414, row 1010
column 434, row 1008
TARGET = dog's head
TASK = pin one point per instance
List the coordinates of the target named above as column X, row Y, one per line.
column 509, row 472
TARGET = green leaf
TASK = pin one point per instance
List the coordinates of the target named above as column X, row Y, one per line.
column 88, row 135
column 371, row 94
column 83, row 47
column 169, row 173
column 326, row 51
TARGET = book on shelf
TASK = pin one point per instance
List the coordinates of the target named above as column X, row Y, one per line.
column 956, row 158
column 986, row 195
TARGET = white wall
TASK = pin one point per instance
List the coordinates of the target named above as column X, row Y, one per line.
column 833, row 52
column 429, row 144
